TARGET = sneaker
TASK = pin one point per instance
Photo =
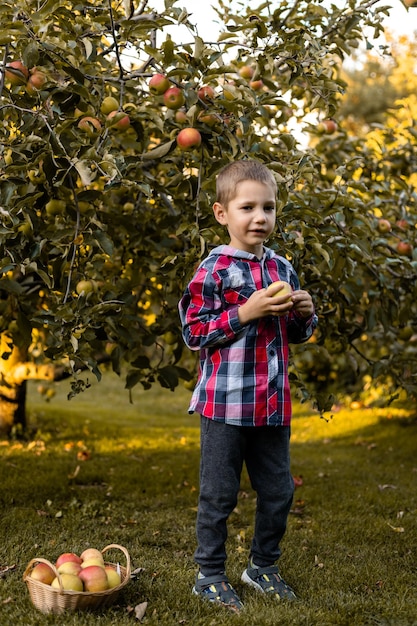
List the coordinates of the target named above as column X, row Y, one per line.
column 217, row 589
column 268, row 580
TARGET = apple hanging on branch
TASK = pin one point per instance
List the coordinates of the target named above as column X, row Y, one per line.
column 174, row 98
column 188, row 138
column 159, row 84
column 16, row 73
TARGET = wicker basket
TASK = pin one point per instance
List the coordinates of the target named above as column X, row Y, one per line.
column 50, row 600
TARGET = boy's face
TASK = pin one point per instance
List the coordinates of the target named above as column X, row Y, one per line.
column 249, row 216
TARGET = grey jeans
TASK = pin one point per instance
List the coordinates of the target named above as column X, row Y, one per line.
column 224, row 449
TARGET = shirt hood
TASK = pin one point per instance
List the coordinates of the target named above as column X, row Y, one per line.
column 225, row 250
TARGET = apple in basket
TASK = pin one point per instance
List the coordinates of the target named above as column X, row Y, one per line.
column 113, row 577
column 69, row 567
column 91, row 553
column 43, row 573
column 70, row 582
column 67, row 557
column 92, row 561
column 94, row 578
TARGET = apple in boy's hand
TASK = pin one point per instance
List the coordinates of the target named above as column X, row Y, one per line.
column 43, row 573
column 94, row 578
column 279, row 288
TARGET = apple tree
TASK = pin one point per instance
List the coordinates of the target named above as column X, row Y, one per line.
column 113, row 128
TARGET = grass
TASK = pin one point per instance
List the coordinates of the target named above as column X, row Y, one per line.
column 100, row 470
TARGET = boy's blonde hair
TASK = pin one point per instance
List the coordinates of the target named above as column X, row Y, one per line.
column 234, row 173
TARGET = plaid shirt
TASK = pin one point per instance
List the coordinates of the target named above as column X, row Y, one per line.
column 243, row 370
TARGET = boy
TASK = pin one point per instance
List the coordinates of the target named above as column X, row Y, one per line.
column 242, row 393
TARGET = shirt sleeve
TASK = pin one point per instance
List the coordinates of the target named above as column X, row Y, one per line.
column 205, row 323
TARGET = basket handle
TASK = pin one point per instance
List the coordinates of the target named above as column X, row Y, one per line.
column 125, row 552
column 51, row 565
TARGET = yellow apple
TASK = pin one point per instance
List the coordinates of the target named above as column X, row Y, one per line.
column 83, row 287
column 91, row 553
column 69, row 567
column 113, row 577
column 109, row 104
column 279, row 288
column 92, row 561
column 70, row 582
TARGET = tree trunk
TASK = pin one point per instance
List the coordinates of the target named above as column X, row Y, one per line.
column 12, row 407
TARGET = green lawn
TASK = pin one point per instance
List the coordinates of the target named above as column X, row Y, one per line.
column 99, row 470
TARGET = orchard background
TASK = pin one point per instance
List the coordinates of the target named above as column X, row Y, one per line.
column 105, row 196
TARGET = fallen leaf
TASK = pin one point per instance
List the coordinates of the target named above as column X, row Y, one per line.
column 383, row 487
column 74, row 473
column 298, row 481
column 140, row 610
column 397, row 529
column 6, row 569
column 317, row 562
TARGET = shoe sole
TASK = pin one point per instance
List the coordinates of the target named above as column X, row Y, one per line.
column 249, row 581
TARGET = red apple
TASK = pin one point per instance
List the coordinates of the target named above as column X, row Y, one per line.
column 279, row 288
column 174, row 98
column 384, row 226
column 181, row 117
column 256, row 85
column 43, row 573
column 94, row 578
column 188, row 138
column 246, row 71
column 206, row 93
column 208, row 118
column 403, row 224
column 89, row 124
column 36, row 81
column 405, row 248
column 16, row 73
column 67, row 557
column 159, row 84
column 327, row 127
column 118, row 120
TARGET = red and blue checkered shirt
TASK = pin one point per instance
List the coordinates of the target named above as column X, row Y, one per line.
column 243, row 369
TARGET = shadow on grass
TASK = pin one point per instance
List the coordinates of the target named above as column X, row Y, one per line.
column 101, row 470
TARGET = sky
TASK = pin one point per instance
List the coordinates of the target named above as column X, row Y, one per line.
column 400, row 20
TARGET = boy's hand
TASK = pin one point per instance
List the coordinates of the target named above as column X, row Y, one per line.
column 303, row 303
column 260, row 304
